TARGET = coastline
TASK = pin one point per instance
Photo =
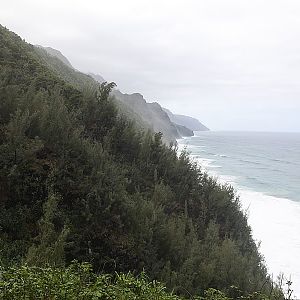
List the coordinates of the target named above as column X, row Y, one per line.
column 273, row 220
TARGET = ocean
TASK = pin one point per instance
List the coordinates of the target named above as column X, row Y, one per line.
column 264, row 168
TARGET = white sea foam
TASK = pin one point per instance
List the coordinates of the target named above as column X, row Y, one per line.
column 225, row 179
column 215, row 166
column 220, row 155
column 204, row 163
column 275, row 224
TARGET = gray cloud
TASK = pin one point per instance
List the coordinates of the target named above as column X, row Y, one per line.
column 234, row 64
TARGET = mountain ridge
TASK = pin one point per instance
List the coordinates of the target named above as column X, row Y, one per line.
column 187, row 121
column 79, row 182
column 56, row 53
column 149, row 115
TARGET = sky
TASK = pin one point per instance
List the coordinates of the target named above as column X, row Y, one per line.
column 234, row 64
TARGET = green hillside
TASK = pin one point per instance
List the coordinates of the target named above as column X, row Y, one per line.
column 78, row 181
column 147, row 116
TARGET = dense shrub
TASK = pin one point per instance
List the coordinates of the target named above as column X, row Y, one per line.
column 78, row 181
column 78, row 282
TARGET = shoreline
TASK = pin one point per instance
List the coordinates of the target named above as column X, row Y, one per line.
column 273, row 221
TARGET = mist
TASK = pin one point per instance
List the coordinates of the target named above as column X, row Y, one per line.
column 234, row 65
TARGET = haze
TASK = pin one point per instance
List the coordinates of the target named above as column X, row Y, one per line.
column 235, row 65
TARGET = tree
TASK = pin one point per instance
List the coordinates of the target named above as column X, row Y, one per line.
column 49, row 245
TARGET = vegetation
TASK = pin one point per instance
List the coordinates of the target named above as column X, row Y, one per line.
column 78, row 181
column 79, row 282
column 146, row 116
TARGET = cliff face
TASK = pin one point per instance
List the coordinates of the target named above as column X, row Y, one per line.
column 97, row 77
column 152, row 114
column 57, row 54
column 184, row 131
column 189, row 122
column 148, row 116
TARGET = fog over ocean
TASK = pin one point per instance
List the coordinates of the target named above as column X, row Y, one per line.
column 264, row 168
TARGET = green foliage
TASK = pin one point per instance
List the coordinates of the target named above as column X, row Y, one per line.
column 49, row 249
column 130, row 202
column 79, row 282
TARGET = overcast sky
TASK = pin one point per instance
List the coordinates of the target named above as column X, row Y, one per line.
column 234, row 64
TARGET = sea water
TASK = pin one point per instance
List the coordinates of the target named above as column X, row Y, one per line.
column 264, row 168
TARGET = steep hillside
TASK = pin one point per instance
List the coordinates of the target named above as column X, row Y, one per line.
column 56, row 63
column 56, row 53
column 97, row 77
column 154, row 115
column 151, row 113
column 189, row 122
column 183, row 131
column 149, row 116
column 78, row 182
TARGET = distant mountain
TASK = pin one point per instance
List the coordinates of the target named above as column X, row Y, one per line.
column 56, row 53
column 183, row 131
column 148, row 116
column 97, row 77
column 154, row 115
column 189, row 122
column 55, row 61
column 155, row 118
